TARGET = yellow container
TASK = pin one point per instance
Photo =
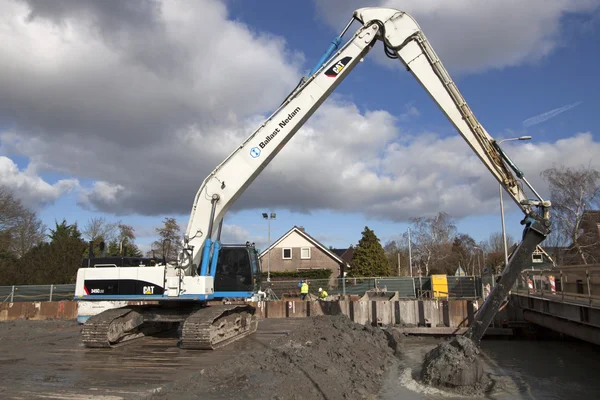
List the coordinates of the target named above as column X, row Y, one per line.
column 439, row 285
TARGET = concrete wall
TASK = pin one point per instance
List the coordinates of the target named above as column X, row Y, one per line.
column 408, row 313
column 38, row 310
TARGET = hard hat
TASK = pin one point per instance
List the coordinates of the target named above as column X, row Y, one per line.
column 320, row 289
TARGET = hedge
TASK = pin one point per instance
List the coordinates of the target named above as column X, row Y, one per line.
column 307, row 274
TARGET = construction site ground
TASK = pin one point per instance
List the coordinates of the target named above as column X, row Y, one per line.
column 320, row 358
column 307, row 358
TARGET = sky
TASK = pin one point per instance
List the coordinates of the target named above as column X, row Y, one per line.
column 121, row 109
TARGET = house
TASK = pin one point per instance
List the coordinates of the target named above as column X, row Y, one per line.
column 346, row 256
column 296, row 251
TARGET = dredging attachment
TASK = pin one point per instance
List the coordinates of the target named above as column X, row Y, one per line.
column 456, row 363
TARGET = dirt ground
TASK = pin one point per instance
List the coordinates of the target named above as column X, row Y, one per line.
column 328, row 357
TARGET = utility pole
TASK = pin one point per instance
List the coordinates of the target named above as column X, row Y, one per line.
column 409, row 253
column 502, row 204
column 269, row 218
column 398, row 262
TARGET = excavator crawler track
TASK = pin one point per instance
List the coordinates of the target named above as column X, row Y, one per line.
column 111, row 328
column 216, row 326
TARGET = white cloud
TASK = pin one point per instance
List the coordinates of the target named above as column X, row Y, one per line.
column 472, row 36
column 543, row 117
column 32, row 190
column 141, row 103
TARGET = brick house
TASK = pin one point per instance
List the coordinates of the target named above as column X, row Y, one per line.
column 296, row 250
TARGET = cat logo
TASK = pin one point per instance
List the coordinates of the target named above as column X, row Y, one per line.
column 338, row 67
column 148, row 289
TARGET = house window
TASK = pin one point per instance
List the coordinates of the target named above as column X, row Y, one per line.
column 305, row 253
column 287, row 254
column 537, row 258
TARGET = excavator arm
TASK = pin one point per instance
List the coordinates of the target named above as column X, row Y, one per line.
column 402, row 39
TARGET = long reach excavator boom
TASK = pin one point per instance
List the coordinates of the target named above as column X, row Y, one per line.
column 402, row 39
column 199, row 272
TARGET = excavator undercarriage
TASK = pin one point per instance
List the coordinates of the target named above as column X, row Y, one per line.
column 202, row 328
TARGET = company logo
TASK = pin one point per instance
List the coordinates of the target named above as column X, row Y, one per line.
column 148, row 289
column 338, row 67
column 282, row 125
column 255, row 152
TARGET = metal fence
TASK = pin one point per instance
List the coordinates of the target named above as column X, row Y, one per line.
column 406, row 287
column 19, row 293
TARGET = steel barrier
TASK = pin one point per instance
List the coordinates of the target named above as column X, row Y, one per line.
column 18, row 293
column 463, row 287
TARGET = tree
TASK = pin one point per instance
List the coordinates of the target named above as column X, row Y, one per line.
column 20, row 228
column 124, row 243
column 56, row 261
column 28, row 232
column 432, row 240
column 170, row 236
column 369, row 258
column 396, row 252
column 493, row 248
column 573, row 191
column 98, row 230
column 463, row 254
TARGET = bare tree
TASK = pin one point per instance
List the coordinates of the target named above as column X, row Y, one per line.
column 432, row 239
column 99, row 227
column 28, row 232
column 11, row 210
column 573, row 191
column 493, row 248
column 20, row 228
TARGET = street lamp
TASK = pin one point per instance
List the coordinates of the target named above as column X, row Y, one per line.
column 269, row 218
column 502, row 203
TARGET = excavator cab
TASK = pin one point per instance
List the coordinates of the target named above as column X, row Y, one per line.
column 238, row 270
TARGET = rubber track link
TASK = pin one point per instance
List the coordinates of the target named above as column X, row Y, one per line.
column 97, row 330
column 216, row 326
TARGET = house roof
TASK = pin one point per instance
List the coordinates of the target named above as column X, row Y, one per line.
column 315, row 242
column 345, row 254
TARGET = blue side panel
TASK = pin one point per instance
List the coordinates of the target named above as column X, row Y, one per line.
column 219, row 295
column 117, row 297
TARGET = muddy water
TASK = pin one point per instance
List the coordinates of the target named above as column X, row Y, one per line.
column 520, row 370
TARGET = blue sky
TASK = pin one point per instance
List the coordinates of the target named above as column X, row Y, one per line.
column 557, row 91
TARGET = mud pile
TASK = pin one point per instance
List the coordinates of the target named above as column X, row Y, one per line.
column 327, row 357
column 455, row 364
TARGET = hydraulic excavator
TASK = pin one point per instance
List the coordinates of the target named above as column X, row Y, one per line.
column 207, row 292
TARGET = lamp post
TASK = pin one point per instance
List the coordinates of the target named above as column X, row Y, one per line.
column 269, row 218
column 478, row 260
column 502, row 203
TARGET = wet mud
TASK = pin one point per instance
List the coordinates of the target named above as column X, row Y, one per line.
column 326, row 357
